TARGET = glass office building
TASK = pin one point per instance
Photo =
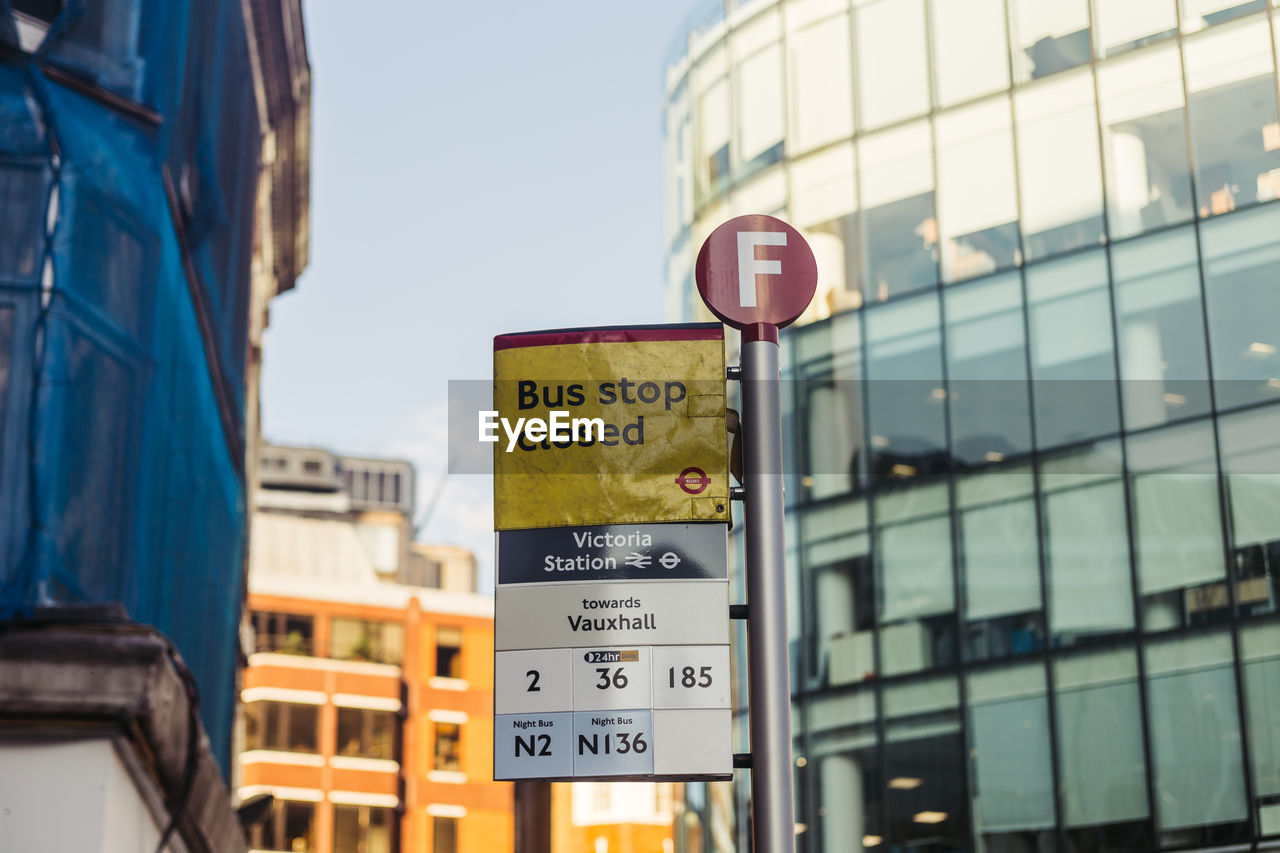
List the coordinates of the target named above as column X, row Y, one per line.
column 1033, row 414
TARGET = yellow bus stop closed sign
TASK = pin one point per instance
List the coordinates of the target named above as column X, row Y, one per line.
column 622, row 425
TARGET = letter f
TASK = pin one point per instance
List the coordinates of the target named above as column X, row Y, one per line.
column 749, row 266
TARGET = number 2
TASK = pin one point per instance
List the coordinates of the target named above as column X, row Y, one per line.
column 533, row 684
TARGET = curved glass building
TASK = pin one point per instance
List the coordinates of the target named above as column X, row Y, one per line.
column 1034, row 424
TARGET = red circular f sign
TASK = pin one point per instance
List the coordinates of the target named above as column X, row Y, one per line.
column 757, row 274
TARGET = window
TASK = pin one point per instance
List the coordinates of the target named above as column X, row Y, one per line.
column 1144, row 141
column 444, row 835
column 1260, row 663
column 423, row 571
column 1072, row 363
column 1163, row 361
column 834, row 445
column 1059, row 165
column 1178, row 528
column 367, row 733
column 1195, row 740
column 363, row 640
column 448, row 651
column 1127, row 24
column 1198, row 14
column 821, row 83
column 1048, row 37
column 285, row 726
column 1251, row 461
column 925, row 764
column 1100, row 738
column 1012, row 775
column 848, row 787
column 1241, row 264
column 1235, row 128
column 1086, row 544
column 905, row 394
column 285, row 633
column 448, row 747
column 988, row 392
column 842, row 593
column 893, row 80
column 901, row 227
column 977, row 201
column 362, row 829
column 760, row 111
column 1000, row 564
column 968, row 41
column 290, row 826
column 914, row 579
column 713, row 141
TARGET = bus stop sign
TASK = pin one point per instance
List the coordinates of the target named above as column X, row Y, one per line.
column 757, row 274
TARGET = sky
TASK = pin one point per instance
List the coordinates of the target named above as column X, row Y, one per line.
column 476, row 169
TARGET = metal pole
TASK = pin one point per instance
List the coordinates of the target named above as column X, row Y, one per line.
column 773, row 804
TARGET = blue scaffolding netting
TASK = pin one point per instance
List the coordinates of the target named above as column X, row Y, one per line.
column 129, row 156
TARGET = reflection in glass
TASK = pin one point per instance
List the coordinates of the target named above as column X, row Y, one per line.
column 1177, row 528
column 1048, row 37
column 283, row 726
column 977, row 202
column 1198, row 14
column 1163, row 362
column 926, row 805
column 1072, row 363
column 905, row 391
column 1000, row 564
column 843, row 733
column 1086, row 544
column 1010, row 752
column 1260, row 663
column 760, row 110
column 1195, row 740
column 835, row 449
column 366, row 733
column 712, row 172
column 1100, row 753
column 1144, row 141
column 1059, row 165
column 290, row 825
column 896, row 173
column 1235, row 129
column 821, row 83
column 1250, row 444
column 987, row 371
column 842, row 592
column 893, row 82
column 1127, row 24
column 966, row 37
column 362, row 829
column 914, row 579
column 1241, row 267
column 366, row 640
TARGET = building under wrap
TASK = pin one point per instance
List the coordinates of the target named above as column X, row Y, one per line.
column 154, row 159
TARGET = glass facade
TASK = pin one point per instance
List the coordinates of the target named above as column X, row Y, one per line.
column 1032, row 417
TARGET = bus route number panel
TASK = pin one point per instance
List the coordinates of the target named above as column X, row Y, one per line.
column 613, row 713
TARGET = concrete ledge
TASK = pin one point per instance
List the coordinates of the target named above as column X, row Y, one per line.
column 71, row 679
